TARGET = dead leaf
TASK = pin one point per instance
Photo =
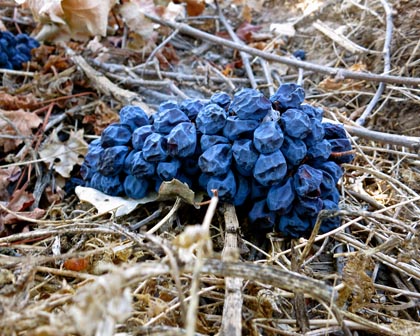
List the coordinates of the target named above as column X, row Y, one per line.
column 105, row 203
column 101, row 118
column 283, row 29
column 7, row 175
column 62, row 20
column 245, row 31
column 16, row 102
column 132, row 13
column 333, row 84
column 20, row 201
column 19, row 120
column 194, row 7
column 62, row 156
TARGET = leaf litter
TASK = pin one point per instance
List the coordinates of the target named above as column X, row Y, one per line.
column 104, row 278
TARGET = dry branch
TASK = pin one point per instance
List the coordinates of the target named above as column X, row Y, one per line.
column 340, row 73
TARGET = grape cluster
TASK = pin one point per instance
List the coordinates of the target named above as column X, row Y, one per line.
column 15, row 50
column 273, row 156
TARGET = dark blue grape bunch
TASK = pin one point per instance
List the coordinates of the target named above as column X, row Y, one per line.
column 284, row 172
column 15, row 50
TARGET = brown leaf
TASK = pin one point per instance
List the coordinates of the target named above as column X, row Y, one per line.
column 9, row 219
column 62, row 156
column 76, row 264
column 194, row 7
column 132, row 13
column 19, row 120
column 65, row 19
column 7, row 175
column 16, row 102
column 20, row 201
column 101, row 118
column 245, row 31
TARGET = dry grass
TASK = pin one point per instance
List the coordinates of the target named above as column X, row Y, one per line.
column 75, row 273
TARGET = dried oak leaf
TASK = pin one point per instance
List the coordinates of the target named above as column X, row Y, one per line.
column 21, row 200
column 7, row 175
column 16, row 102
column 246, row 31
column 18, row 124
column 65, row 19
column 64, row 155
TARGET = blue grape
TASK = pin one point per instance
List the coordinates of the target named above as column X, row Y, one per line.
column 167, row 171
column 111, row 160
column 280, row 197
column 288, row 95
column 133, row 116
column 300, row 54
column 307, row 180
column 216, row 160
column 236, row 128
column 203, row 180
column 220, row 98
column 182, row 140
column 312, row 112
column 250, row 104
column 331, row 223
column 116, row 135
column 258, row 191
column 141, row 168
column 334, row 131
column 268, row 137
column 320, row 150
column 328, row 185
column 140, row 135
column 86, row 171
column 261, row 216
column 93, row 155
column 330, row 167
column 291, row 225
column 110, row 185
column 296, row 123
column 317, row 133
column 294, row 150
column 341, row 145
column 168, row 119
column 190, row 166
column 243, row 189
column 208, row 141
column 270, row 168
column 211, row 119
column 135, row 187
column 224, row 184
column 191, row 107
column 155, row 148
column 308, row 206
column 128, row 161
column 168, row 105
column 245, row 156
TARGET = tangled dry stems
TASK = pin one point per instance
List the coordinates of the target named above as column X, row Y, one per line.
column 363, row 276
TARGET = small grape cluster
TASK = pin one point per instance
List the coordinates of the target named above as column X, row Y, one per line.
column 274, row 156
column 15, row 50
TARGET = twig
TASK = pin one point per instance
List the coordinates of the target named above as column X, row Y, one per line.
column 387, row 64
column 232, row 307
column 235, row 38
column 341, row 73
column 192, row 308
column 163, row 221
column 160, row 46
column 394, row 139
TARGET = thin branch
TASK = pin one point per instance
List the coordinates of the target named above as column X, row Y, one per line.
column 394, row 139
column 387, row 64
column 244, row 55
column 340, row 73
